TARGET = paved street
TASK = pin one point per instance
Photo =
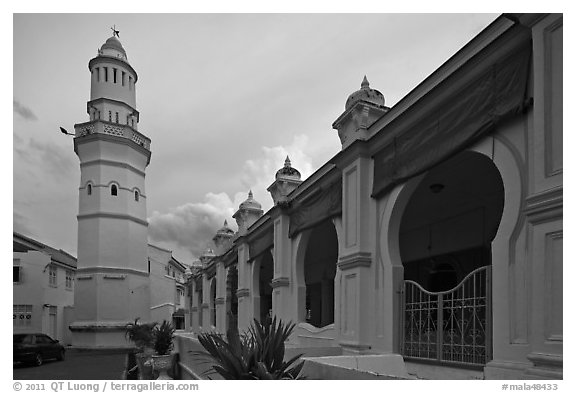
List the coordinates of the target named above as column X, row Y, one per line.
column 77, row 365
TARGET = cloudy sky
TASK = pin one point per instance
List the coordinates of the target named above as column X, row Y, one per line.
column 224, row 98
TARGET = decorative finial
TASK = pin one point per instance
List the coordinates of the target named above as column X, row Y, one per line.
column 365, row 83
column 250, row 196
column 115, row 32
column 287, row 163
column 225, row 223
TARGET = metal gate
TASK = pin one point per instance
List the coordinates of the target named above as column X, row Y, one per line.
column 452, row 326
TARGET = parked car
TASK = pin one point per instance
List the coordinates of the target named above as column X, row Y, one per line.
column 34, row 348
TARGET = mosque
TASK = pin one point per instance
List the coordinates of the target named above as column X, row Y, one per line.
column 433, row 237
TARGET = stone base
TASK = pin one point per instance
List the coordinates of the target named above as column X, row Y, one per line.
column 97, row 334
column 501, row 369
column 546, row 366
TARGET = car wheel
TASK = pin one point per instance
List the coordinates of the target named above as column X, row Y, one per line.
column 38, row 360
column 60, row 355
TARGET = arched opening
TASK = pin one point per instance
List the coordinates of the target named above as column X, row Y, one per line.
column 320, row 261
column 136, row 195
column 213, row 302
column 89, row 189
column 114, row 190
column 445, row 240
column 264, row 268
column 199, row 301
column 231, row 298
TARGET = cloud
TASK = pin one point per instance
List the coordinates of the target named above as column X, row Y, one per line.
column 190, row 227
column 25, row 112
column 53, row 158
column 20, row 224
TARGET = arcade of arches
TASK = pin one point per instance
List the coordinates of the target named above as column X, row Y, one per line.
column 435, row 234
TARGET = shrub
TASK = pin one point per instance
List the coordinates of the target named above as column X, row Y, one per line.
column 258, row 354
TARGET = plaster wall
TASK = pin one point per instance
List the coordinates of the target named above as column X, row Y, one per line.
column 34, row 289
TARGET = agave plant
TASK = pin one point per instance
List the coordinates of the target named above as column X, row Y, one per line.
column 164, row 338
column 257, row 354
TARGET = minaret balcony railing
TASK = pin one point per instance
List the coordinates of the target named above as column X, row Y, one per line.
column 103, row 127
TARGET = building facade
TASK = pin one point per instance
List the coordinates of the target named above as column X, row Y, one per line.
column 43, row 288
column 435, row 234
column 168, row 300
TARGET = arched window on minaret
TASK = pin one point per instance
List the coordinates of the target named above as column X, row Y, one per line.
column 116, row 117
column 110, row 116
column 89, row 189
column 136, row 195
column 114, row 190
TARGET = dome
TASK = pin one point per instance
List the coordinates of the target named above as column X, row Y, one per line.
column 365, row 94
column 112, row 45
column 287, row 172
column 225, row 230
column 250, row 203
column 209, row 253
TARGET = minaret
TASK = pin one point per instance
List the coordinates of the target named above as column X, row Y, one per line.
column 362, row 109
column 222, row 239
column 247, row 214
column 112, row 281
column 287, row 180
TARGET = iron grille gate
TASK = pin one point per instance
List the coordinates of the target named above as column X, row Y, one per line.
column 452, row 326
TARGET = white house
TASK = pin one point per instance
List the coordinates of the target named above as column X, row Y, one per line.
column 43, row 288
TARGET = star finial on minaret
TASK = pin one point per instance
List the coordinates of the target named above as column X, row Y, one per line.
column 115, row 32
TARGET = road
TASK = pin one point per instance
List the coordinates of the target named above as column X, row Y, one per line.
column 77, row 365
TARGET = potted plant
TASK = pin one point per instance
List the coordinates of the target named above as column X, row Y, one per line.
column 163, row 344
column 142, row 336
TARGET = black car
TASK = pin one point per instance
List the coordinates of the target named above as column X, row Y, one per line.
column 35, row 347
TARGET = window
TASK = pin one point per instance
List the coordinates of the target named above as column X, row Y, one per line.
column 52, row 276
column 97, row 70
column 17, row 274
column 105, row 74
column 109, row 115
column 132, row 123
column 136, row 195
column 114, row 190
column 114, row 72
column 98, row 115
column 127, row 119
column 123, row 78
column 69, row 279
column 89, row 189
column 130, row 83
column 22, row 315
column 116, row 117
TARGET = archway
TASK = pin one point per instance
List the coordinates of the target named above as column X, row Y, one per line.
column 445, row 239
column 264, row 272
column 231, row 298
column 450, row 221
column 213, row 302
column 319, row 270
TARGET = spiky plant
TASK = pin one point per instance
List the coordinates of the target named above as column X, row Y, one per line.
column 257, row 354
column 164, row 338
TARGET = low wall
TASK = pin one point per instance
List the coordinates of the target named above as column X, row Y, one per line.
column 385, row 366
column 319, row 362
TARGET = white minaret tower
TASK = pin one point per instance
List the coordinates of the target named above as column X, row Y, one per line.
column 112, row 281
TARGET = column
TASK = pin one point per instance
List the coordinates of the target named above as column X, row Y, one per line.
column 356, row 280
column 282, row 300
column 220, row 297
column 245, row 312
